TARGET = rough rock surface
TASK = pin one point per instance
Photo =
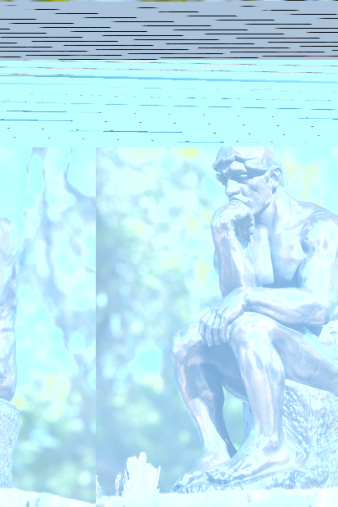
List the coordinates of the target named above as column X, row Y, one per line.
column 9, row 431
column 255, row 498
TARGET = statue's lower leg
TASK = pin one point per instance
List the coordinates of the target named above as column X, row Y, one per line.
column 202, row 392
column 264, row 451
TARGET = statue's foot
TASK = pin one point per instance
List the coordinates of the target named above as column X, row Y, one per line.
column 206, row 461
column 254, row 460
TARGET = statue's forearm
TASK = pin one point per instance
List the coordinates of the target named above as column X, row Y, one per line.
column 234, row 266
column 293, row 306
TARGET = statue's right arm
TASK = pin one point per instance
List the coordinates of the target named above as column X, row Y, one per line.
column 231, row 259
column 8, row 261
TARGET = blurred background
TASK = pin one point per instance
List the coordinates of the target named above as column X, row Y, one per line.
column 154, row 276
column 50, row 196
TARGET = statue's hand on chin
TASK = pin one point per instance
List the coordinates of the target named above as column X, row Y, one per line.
column 236, row 217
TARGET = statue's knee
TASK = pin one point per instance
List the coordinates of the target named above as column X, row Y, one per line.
column 249, row 330
column 183, row 341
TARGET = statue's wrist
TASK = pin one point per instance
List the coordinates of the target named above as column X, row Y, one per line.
column 247, row 298
column 223, row 229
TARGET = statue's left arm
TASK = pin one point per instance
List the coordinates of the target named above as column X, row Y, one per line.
column 314, row 301
column 311, row 303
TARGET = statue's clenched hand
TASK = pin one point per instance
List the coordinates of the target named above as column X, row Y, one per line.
column 214, row 325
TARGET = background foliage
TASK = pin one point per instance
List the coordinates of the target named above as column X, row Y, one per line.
column 50, row 195
column 155, row 275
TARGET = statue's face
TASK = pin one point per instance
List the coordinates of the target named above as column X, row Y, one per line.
column 254, row 190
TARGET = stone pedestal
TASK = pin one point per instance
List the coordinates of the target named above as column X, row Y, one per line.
column 310, row 426
column 9, row 431
column 229, row 498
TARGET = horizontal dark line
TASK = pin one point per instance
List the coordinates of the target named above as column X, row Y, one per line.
column 162, row 53
column 152, row 49
column 112, row 45
column 278, row 24
column 147, row 21
column 201, row 57
column 102, row 31
column 218, row 30
column 110, row 17
column 79, row 27
column 314, row 14
column 24, row 47
column 186, row 26
column 124, row 31
column 290, row 50
column 43, row 37
column 201, row 42
column 150, row 35
column 274, row 38
column 171, row 12
column 296, row 55
column 90, row 57
column 313, row 28
column 78, row 13
column 27, row 33
column 213, row 16
column 44, row 22
column 28, row 51
column 244, row 50
column 174, row 12
column 57, row 40
column 183, row 41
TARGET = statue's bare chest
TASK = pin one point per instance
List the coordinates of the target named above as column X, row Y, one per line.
column 275, row 258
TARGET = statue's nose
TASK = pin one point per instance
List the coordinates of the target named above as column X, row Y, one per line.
column 232, row 189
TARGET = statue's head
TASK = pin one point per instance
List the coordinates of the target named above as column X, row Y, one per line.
column 251, row 175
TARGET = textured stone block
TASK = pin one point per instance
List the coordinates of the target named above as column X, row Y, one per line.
column 9, row 431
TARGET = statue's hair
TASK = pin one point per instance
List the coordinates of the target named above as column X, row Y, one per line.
column 255, row 159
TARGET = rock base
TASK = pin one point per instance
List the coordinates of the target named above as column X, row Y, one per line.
column 9, row 431
column 255, row 498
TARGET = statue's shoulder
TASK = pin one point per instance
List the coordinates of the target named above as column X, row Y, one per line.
column 320, row 229
column 8, row 241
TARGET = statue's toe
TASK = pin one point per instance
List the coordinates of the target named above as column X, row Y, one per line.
column 218, row 476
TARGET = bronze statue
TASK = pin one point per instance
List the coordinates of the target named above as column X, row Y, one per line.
column 8, row 304
column 278, row 271
column 9, row 414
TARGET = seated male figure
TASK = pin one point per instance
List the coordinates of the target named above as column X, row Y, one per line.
column 278, row 271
